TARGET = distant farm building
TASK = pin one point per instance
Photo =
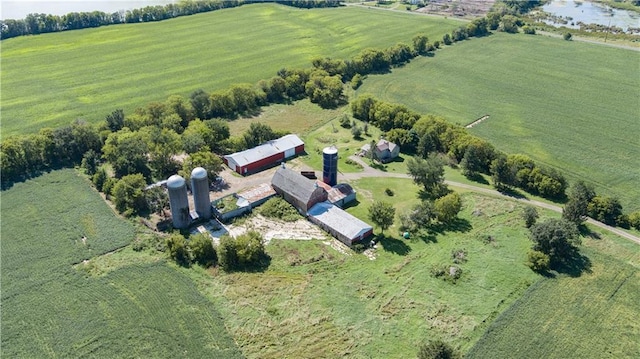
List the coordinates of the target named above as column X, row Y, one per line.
column 264, row 156
column 384, row 150
column 340, row 224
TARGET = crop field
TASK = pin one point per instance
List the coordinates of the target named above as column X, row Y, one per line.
column 314, row 301
column 51, row 309
column 570, row 105
column 50, row 80
column 593, row 316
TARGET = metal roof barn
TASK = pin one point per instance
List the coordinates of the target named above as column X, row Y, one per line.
column 298, row 190
column 340, row 224
column 264, row 156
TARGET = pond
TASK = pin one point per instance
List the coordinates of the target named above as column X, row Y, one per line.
column 574, row 11
column 14, row 9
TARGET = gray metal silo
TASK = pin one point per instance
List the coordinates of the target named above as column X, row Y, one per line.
column 330, row 165
column 200, row 190
column 178, row 201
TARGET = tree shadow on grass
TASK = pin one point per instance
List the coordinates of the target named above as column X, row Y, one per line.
column 586, row 232
column 457, row 225
column 477, row 177
column 393, row 245
column 574, row 266
column 512, row 192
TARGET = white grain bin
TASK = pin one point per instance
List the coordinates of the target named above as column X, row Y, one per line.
column 200, row 190
column 178, row 201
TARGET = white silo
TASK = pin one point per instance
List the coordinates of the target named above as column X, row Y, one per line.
column 178, row 201
column 200, row 190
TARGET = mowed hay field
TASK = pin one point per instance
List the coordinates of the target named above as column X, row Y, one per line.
column 50, row 80
column 51, row 309
column 570, row 105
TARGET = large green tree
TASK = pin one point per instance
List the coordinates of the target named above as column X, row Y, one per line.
column 428, row 173
column 129, row 194
column 556, row 238
column 127, row 152
column 205, row 159
column 576, row 207
column 382, row 214
column 258, row 133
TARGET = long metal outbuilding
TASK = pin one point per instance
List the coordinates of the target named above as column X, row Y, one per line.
column 264, row 156
column 340, row 224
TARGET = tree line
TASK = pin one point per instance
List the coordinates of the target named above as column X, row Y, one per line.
column 38, row 23
column 426, row 136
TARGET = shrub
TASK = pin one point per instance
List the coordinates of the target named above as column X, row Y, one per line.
column 529, row 30
column 356, row 81
column 459, row 256
column 202, row 250
column 178, row 250
column 356, row 131
column 437, row 350
column 278, row 208
column 538, row 261
column 244, row 252
column 530, row 216
column 450, row 273
column 634, row 220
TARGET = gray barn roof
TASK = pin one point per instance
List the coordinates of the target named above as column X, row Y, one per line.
column 265, row 150
column 341, row 221
column 294, row 184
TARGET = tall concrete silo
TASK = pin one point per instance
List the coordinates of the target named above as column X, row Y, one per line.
column 330, row 165
column 200, row 190
column 178, row 201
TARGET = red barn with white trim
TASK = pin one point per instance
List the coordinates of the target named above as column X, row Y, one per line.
column 264, row 156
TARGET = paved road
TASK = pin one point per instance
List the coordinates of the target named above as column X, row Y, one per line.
column 368, row 171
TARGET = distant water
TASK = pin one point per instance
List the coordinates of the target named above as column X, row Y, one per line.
column 592, row 13
column 13, row 9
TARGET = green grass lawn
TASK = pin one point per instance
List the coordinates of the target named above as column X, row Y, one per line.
column 573, row 106
column 50, row 80
column 140, row 307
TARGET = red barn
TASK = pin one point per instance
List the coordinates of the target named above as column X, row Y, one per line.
column 264, row 156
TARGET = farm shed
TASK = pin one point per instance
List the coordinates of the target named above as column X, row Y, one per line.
column 384, row 150
column 340, row 224
column 230, row 206
column 339, row 194
column 264, row 156
column 257, row 195
column 296, row 189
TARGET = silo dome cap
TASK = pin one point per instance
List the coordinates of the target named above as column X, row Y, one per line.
column 199, row 172
column 175, row 181
column 330, row 150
